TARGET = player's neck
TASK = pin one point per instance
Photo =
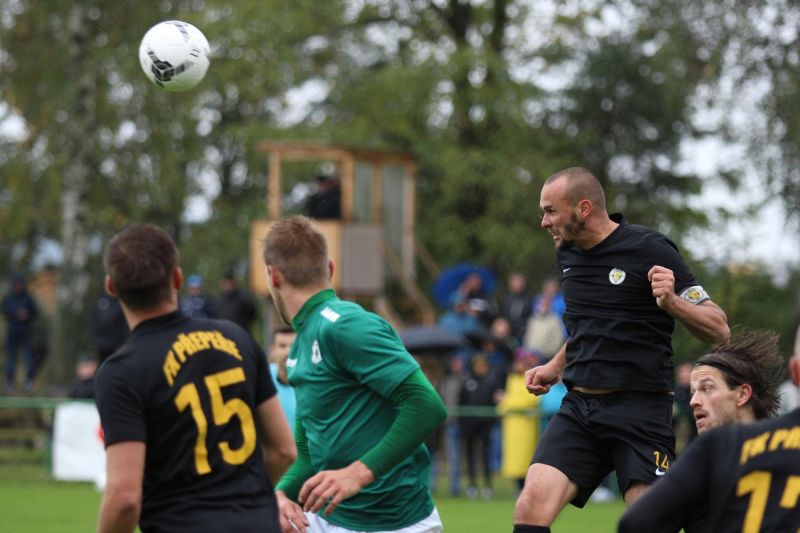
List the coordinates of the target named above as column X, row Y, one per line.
column 746, row 416
column 136, row 317
column 597, row 233
column 297, row 298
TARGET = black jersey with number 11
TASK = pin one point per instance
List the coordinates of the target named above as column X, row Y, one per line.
column 189, row 389
column 745, row 477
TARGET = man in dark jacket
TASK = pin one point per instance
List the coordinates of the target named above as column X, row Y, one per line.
column 109, row 327
column 236, row 304
column 20, row 311
column 515, row 306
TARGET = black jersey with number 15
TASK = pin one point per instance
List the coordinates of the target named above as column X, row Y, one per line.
column 618, row 336
column 189, row 388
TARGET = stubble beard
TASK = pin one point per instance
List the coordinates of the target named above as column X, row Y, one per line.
column 573, row 228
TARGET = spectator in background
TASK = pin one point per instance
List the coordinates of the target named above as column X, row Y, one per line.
column 325, row 203
column 478, row 392
column 515, row 306
column 544, row 334
column 282, row 340
column 85, row 369
column 551, row 290
column 109, row 327
column 682, row 416
column 236, row 304
column 473, row 293
column 196, row 303
column 450, row 391
column 460, row 319
column 499, row 349
column 520, row 429
column 20, row 312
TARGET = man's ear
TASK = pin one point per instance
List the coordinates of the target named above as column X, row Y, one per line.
column 584, row 208
column 177, row 278
column 744, row 395
column 331, row 267
column 109, row 286
column 274, row 277
column 794, row 369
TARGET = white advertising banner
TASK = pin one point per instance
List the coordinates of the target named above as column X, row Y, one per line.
column 78, row 450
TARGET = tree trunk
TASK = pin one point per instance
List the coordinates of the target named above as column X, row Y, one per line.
column 72, row 325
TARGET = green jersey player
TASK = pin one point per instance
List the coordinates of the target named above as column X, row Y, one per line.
column 364, row 406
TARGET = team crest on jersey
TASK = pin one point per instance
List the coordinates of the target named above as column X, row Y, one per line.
column 694, row 294
column 616, row 276
column 316, row 355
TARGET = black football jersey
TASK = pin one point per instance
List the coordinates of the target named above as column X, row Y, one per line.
column 618, row 336
column 189, row 388
column 744, row 477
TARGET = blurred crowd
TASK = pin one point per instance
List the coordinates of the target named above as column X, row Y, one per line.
column 26, row 341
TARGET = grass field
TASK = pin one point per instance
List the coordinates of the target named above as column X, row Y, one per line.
column 34, row 503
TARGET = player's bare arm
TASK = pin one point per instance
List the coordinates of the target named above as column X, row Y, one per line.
column 122, row 500
column 280, row 450
column 706, row 321
column 539, row 379
column 330, row 487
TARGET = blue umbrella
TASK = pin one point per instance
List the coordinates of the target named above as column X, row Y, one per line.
column 451, row 278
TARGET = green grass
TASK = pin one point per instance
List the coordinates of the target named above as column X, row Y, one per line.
column 496, row 516
column 34, row 502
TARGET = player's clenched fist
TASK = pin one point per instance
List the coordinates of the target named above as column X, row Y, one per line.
column 662, row 281
column 539, row 379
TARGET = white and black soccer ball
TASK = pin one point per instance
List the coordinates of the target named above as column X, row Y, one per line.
column 174, row 55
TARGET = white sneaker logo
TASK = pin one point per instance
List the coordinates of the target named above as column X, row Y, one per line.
column 565, row 270
column 316, row 355
column 660, row 472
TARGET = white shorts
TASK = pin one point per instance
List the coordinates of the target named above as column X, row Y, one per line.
column 431, row 524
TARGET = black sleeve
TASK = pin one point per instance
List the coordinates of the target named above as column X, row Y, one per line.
column 676, row 499
column 665, row 253
column 122, row 413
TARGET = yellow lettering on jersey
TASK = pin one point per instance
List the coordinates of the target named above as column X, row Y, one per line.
column 180, row 350
column 793, row 440
column 171, row 367
column 189, row 343
column 754, row 446
column 199, row 339
column 186, row 346
column 778, row 438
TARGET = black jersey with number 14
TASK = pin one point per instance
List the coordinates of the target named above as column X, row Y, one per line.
column 189, row 389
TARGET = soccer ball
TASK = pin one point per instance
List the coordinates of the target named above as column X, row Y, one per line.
column 174, row 55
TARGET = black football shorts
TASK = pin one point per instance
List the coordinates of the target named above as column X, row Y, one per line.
column 593, row 434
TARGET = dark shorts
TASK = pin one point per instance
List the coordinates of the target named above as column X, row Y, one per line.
column 593, row 434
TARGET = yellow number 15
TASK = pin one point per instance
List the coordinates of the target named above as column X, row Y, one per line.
column 221, row 412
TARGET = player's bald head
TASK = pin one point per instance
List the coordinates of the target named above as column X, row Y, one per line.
column 580, row 184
